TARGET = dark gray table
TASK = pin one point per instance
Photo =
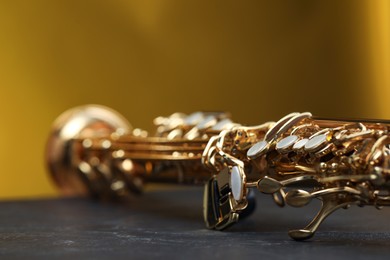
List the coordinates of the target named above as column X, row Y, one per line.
column 169, row 224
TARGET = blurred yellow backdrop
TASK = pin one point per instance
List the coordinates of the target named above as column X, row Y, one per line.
column 257, row 59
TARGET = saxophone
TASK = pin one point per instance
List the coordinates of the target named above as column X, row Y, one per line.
column 93, row 151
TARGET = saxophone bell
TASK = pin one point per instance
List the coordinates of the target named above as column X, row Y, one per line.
column 83, row 122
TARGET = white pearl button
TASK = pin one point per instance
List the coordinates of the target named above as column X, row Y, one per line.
column 301, row 143
column 256, row 149
column 316, row 142
column 286, row 142
column 236, row 183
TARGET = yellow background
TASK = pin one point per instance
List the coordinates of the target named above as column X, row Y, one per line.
column 257, row 59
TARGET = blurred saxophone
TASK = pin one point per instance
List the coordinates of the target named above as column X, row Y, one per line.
column 93, row 151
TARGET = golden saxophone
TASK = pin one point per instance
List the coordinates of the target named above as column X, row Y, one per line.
column 92, row 150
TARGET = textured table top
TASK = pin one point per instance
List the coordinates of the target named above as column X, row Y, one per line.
column 169, row 224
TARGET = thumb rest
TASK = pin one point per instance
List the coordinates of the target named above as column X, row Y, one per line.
column 94, row 151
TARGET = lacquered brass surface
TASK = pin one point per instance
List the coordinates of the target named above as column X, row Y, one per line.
column 94, row 151
column 340, row 162
column 91, row 121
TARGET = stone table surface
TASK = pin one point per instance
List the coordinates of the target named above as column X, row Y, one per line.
column 168, row 224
